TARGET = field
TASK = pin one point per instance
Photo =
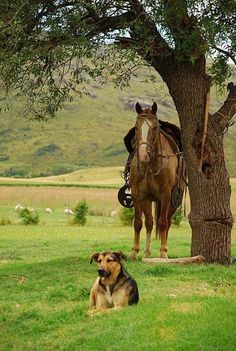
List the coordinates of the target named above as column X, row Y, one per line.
column 45, row 276
column 97, row 185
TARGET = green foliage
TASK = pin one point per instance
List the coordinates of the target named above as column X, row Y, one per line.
column 220, row 71
column 15, row 172
column 48, row 149
column 126, row 216
column 178, row 216
column 5, row 221
column 80, row 213
column 50, row 51
column 29, row 217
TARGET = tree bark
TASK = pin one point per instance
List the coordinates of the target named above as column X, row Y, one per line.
column 210, row 217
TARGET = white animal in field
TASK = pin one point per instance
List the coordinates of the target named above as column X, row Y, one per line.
column 113, row 214
column 18, row 207
column 48, row 210
column 68, row 211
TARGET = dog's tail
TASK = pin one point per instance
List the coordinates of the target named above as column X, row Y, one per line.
column 134, row 295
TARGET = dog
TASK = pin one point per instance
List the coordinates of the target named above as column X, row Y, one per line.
column 114, row 288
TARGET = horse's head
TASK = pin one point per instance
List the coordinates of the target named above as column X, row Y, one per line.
column 146, row 129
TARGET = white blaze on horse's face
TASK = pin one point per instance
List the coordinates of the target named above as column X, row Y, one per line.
column 143, row 146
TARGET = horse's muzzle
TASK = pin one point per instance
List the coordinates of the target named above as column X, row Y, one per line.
column 143, row 154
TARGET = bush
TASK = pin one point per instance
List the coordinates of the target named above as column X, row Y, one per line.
column 48, row 149
column 178, row 216
column 80, row 213
column 5, row 221
column 29, row 217
column 127, row 216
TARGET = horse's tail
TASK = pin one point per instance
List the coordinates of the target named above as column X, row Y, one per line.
column 157, row 216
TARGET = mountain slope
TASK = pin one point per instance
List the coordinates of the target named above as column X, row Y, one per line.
column 87, row 132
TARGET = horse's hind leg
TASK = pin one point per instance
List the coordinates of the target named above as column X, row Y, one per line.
column 163, row 226
column 147, row 210
column 137, row 228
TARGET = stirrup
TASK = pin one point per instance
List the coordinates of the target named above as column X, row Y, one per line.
column 124, row 197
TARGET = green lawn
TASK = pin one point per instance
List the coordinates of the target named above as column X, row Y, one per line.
column 46, row 278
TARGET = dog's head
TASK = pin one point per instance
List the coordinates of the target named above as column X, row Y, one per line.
column 109, row 263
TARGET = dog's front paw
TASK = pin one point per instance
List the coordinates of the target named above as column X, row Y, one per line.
column 92, row 311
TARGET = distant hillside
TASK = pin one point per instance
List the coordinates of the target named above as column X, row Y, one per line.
column 87, row 132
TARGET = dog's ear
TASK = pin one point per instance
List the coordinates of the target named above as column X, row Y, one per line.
column 120, row 255
column 94, row 257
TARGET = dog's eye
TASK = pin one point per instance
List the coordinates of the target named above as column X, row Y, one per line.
column 109, row 260
column 99, row 261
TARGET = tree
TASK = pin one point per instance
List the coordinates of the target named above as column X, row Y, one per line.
column 50, row 48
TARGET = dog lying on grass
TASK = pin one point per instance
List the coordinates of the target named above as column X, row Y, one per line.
column 114, row 288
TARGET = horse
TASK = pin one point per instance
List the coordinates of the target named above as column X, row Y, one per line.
column 154, row 172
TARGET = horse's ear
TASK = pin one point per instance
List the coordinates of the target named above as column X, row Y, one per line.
column 154, row 108
column 138, row 108
column 94, row 257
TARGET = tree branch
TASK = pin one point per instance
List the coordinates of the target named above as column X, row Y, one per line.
column 226, row 53
column 144, row 35
column 224, row 115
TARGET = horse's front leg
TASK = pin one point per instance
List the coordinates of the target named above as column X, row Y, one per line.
column 147, row 210
column 137, row 229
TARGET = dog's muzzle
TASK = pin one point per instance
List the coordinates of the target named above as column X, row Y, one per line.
column 102, row 273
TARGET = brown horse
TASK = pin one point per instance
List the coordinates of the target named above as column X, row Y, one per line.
column 154, row 171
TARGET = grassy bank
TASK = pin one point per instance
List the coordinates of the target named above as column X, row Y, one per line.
column 46, row 278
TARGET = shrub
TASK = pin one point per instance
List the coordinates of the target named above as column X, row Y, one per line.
column 178, row 216
column 29, row 217
column 48, row 149
column 127, row 216
column 5, row 221
column 80, row 213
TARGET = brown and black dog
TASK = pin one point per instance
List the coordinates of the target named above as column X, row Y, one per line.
column 114, row 288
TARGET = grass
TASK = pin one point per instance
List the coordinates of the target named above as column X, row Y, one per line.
column 46, row 279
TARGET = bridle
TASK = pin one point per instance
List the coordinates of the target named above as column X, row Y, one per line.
column 154, row 156
column 146, row 117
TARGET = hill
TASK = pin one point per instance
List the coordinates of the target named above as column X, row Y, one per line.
column 87, row 132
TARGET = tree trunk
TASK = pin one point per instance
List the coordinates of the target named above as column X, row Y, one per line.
column 209, row 188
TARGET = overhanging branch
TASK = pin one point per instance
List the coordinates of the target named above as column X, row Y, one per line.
column 224, row 115
column 226, row 53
